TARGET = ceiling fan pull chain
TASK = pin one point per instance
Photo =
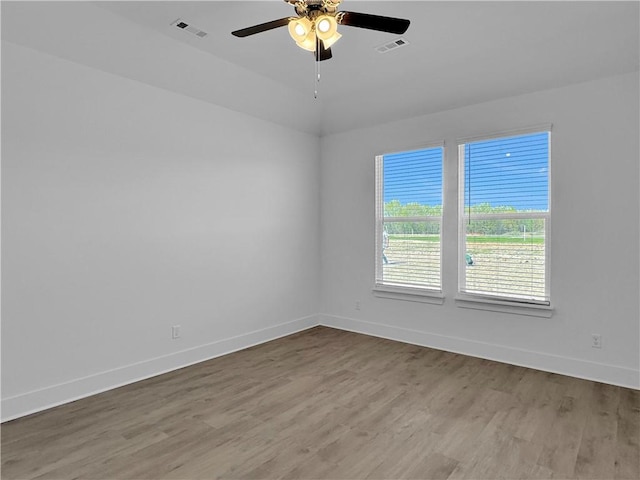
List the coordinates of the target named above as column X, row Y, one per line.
column 318, row 53
column 316, row 81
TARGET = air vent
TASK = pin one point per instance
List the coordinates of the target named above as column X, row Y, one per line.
column 186, row 26
column 387, row 47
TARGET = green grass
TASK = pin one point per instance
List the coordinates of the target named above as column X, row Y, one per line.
column 416, row 238
column 472, row 239
column 500, row 239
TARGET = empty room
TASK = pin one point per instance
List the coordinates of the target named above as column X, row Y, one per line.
column 320, row 239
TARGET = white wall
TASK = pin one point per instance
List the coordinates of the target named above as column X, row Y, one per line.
column 127, row 209
column 594, row 234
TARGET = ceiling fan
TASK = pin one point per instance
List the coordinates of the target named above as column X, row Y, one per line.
column 316, row 26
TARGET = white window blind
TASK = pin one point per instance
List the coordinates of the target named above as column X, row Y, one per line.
column 504, row 218
column 409, row 219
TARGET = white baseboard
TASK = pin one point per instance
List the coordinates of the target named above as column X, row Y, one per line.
column 42, row 399
column 611, row 374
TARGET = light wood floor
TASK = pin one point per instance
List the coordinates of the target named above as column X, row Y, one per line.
column 331, row 404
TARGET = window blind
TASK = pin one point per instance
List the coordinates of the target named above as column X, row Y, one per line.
column 409, row 218
column 504, row 217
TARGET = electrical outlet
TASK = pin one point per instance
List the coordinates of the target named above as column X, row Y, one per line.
column 596, row 340
column 175, row 331
column 358, row 305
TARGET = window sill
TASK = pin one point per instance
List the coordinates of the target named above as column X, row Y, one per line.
column 409, row 294
column 504, row 306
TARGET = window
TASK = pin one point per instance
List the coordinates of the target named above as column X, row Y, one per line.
column 504, row 218
column 409, row 219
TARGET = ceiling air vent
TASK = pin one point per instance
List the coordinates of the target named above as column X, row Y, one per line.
column 387, row 47
column 182, row 25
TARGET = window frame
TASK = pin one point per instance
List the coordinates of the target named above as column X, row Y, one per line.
column 497, row 302
column 399, row 291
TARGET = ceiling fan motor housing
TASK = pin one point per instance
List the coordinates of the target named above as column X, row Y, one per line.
column 314, row 8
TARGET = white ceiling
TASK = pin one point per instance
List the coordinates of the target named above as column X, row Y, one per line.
column 459, row 53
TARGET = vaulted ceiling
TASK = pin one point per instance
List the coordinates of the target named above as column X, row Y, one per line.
column 458, row 53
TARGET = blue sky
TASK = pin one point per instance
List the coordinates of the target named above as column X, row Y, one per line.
column 414, row 177
column 509, row 171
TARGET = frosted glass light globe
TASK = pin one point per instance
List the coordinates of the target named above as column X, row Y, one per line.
column 324, row 25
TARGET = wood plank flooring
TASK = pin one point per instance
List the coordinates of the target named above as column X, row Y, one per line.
column 331, row 404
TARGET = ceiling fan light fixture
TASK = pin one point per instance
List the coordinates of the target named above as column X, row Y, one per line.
column 324, row 24
column 329, row 42
column 300, row 29
column 308, row 43
column 326, row 27
column 327, row 30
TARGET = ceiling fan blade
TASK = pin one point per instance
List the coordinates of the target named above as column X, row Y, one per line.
column 373, row 22
column 263, row 27
column 323, row 53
